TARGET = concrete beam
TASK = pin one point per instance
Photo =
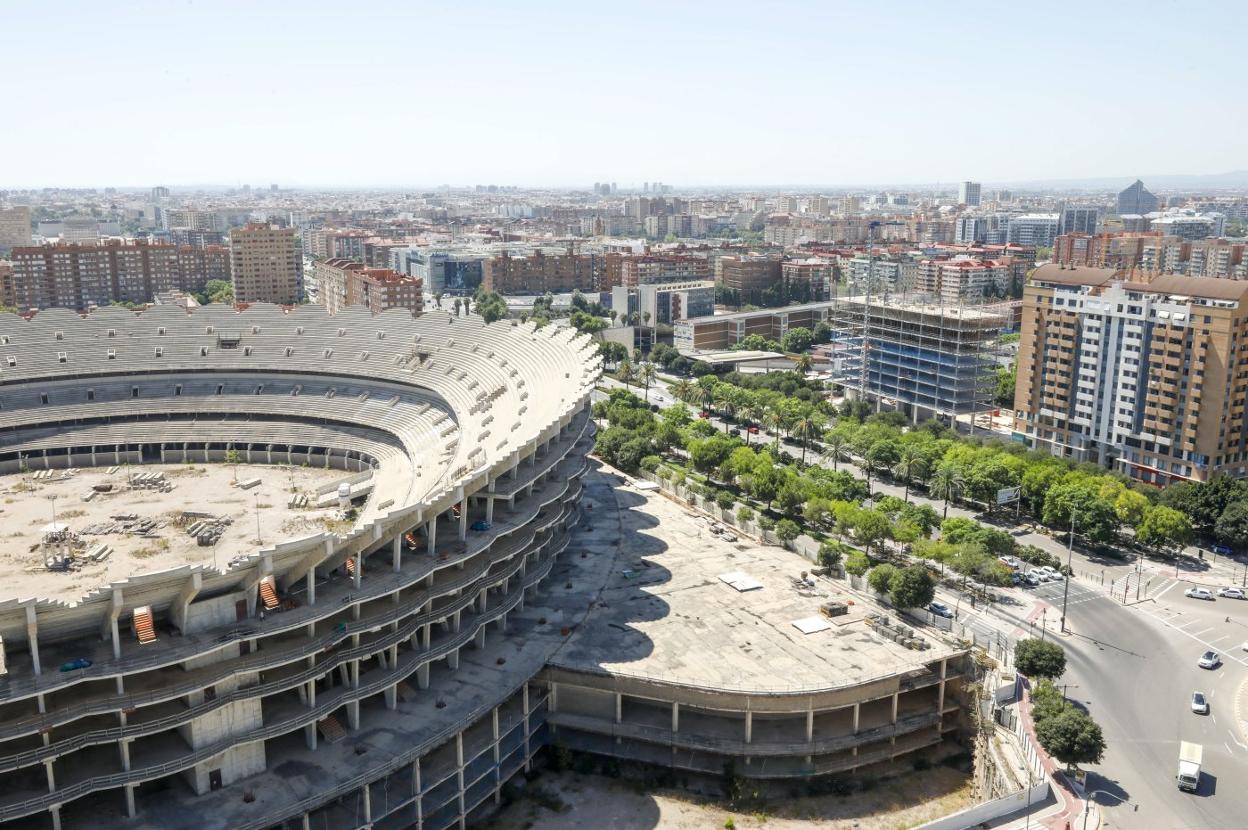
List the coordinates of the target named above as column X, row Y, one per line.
column 108, row 630
column 32, row 638
column 190, row 589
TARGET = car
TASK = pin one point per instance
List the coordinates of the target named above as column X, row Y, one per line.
column 1232, row 593
column 734, row 432
column 753, row 430
column 480, row 525
column 1016, row 579
column 75, row 665
column 704, row 415
column 940, row 610
column 1198, row 593
column 1200, row 704
column 1209, row 660
column 1033, row 579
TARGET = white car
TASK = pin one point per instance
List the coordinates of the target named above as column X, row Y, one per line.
column 1209, row 660
column 1198, row 593
column 1232, row 593
column 1200, row 704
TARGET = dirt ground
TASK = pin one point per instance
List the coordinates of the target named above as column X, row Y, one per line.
column 592, row 802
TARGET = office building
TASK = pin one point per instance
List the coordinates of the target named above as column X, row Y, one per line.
column 442, row 270
column 663, row 303
column 15, row 227
column 969, row 194
column 80, row 276
column 541, row 272
column 343, row 282
column 266, row 264
column 1136, row 199
column 1140, row 377
column 971, row 227
column 1035, row 229
column 723, row 331
column 1080, row 219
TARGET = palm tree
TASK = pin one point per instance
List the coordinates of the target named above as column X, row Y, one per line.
column 647, row 374
column 704, row 395
column 726, row 400
column 682, row 390
column 947, row 482
column 753, row 411
column 775, row 419
column 910, row 464
column 625, row 372
column 835, row 443
column 803, row 363
column 809, row 421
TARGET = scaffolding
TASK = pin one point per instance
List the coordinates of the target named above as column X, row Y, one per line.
column 917, row 354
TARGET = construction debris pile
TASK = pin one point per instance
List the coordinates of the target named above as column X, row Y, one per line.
column 127, row 523
column 900, row 634
column 205, row 528
column 65, row 550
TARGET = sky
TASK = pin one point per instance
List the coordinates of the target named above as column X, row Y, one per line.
column 372, row 93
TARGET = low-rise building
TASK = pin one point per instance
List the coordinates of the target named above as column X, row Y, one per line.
column 663, row 303
column 722, row 331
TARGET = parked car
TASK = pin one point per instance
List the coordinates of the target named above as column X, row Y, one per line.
column 704, row 415
column 481, row 525
column 940, row 610
column 1200, row 705
column 1209, row 660
column 75, row 665
column 753, row 430
column 1198, row 593
column 1033, row 579
column 1232, row 593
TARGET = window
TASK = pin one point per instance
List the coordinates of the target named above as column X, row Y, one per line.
column 90, row 394
column 61, row 357
column 43, row 398
column 134, row 391
column 160, row 351
column 177, row 390
column 112, row 354
column 220, row 388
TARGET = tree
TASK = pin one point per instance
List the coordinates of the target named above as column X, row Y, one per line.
column 787, row 530
column 871, row 528
column 647, row 375
column 967, row 560
column 1040, row 659
column 1231, row 528
column 830, row 555
column 1003, row 396
column 796, row 340
column 219, row 291
column 231, row 457
column 912, row 587
column 803, row 363
column 836, row 440
column 809, row 421
column 1130, row 507
column 947, row 484
column 857, row 563
column 880, row 578
column 910, row 463
column 491, row 306
column 1072, row 738
column 1164, row 528
column 791, row 497
column 882, row 455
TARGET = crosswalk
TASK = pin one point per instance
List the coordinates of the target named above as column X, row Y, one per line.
column 1200, row 629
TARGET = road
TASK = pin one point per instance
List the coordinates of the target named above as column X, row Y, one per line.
column 1133, row 667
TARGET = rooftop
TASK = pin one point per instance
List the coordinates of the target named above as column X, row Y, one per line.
column 665, row 613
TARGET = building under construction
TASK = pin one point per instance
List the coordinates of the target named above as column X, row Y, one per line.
column 924, row 359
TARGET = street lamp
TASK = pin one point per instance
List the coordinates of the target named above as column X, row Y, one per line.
column 1087, row 796
column 1070, row 550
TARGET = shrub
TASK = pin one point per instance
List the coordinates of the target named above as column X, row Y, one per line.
column 787, row 530
column 724, row 500
column 766, row 522
column 912, row 587
column 830, row 554
column 881, row 578
column 745, row 514
column 857, row 563
column 651, row 463
column 1039, row 658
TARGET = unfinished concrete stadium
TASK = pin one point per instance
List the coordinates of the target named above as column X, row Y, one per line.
column 276, row 568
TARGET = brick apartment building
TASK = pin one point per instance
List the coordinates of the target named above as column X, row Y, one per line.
column 1147, row 378
column 82, row 275
column 541, row 272
column 266, row 264
column 749, row 274
column 1102, row 250
column 341, row 282
column 649, row 269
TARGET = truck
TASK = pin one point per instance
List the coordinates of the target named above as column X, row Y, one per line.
column 1190, row 756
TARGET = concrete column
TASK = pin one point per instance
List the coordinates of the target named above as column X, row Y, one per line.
column 857, row 712
column 355, row 674
column 940, row 695
column 459, row 772
column 311, row 580
column 422, row 676
column 489, row 502
column 483, row 598
column 553, row 703
column 392, row 697
column 123, row 748
column 307, row 821
column 452, row 660
column 619, row 708
column 359, row 570
column 47, row 766
column 749, row 726
column 675, row 717
column 56, row 818
column 426, row 635
column 896, row 695
column 396, row 552
column 810, row 725
column 368, row 803
column 309, row 735
column 130, row 808
column 455, row 621
column 32, row 635
column 479, row 638
column 416, row 792
column 353, row 714
column 463, row 516
column 431, row 531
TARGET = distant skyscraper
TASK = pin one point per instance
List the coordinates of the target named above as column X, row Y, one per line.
column 1080, row 219
column 968, row 194
column 14, row 227
column 160, row 193
column 266, row 265
column 1136, row 199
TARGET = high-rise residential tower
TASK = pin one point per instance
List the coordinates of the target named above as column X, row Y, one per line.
column 266, row 265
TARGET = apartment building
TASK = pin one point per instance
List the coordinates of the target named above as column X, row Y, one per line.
column 665, row 303
column 266, row 264
column 892, row 273
column 196, row 237
column 650, row 269
column 541, row 272
column 82, row 275
column 969, row 194
column 722, row 331
column 1102, row 250
column 8, row 298
column 963, row 278
column 343, row 282
column 1036, row 229
column 1217, row 258
column 1147, row 378
column 749, row 274
column 812, row 278
column 15, row 227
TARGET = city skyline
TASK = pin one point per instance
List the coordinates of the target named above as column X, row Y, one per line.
column 559, row 96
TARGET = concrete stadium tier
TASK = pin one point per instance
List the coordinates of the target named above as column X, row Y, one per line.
column 328, row 669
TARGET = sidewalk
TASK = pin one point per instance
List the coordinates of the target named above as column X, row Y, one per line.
column 1069, row 807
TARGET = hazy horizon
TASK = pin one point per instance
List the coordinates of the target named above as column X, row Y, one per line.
column 386, row 95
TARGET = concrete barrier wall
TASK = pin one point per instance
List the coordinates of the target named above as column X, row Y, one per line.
column 992, row 810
